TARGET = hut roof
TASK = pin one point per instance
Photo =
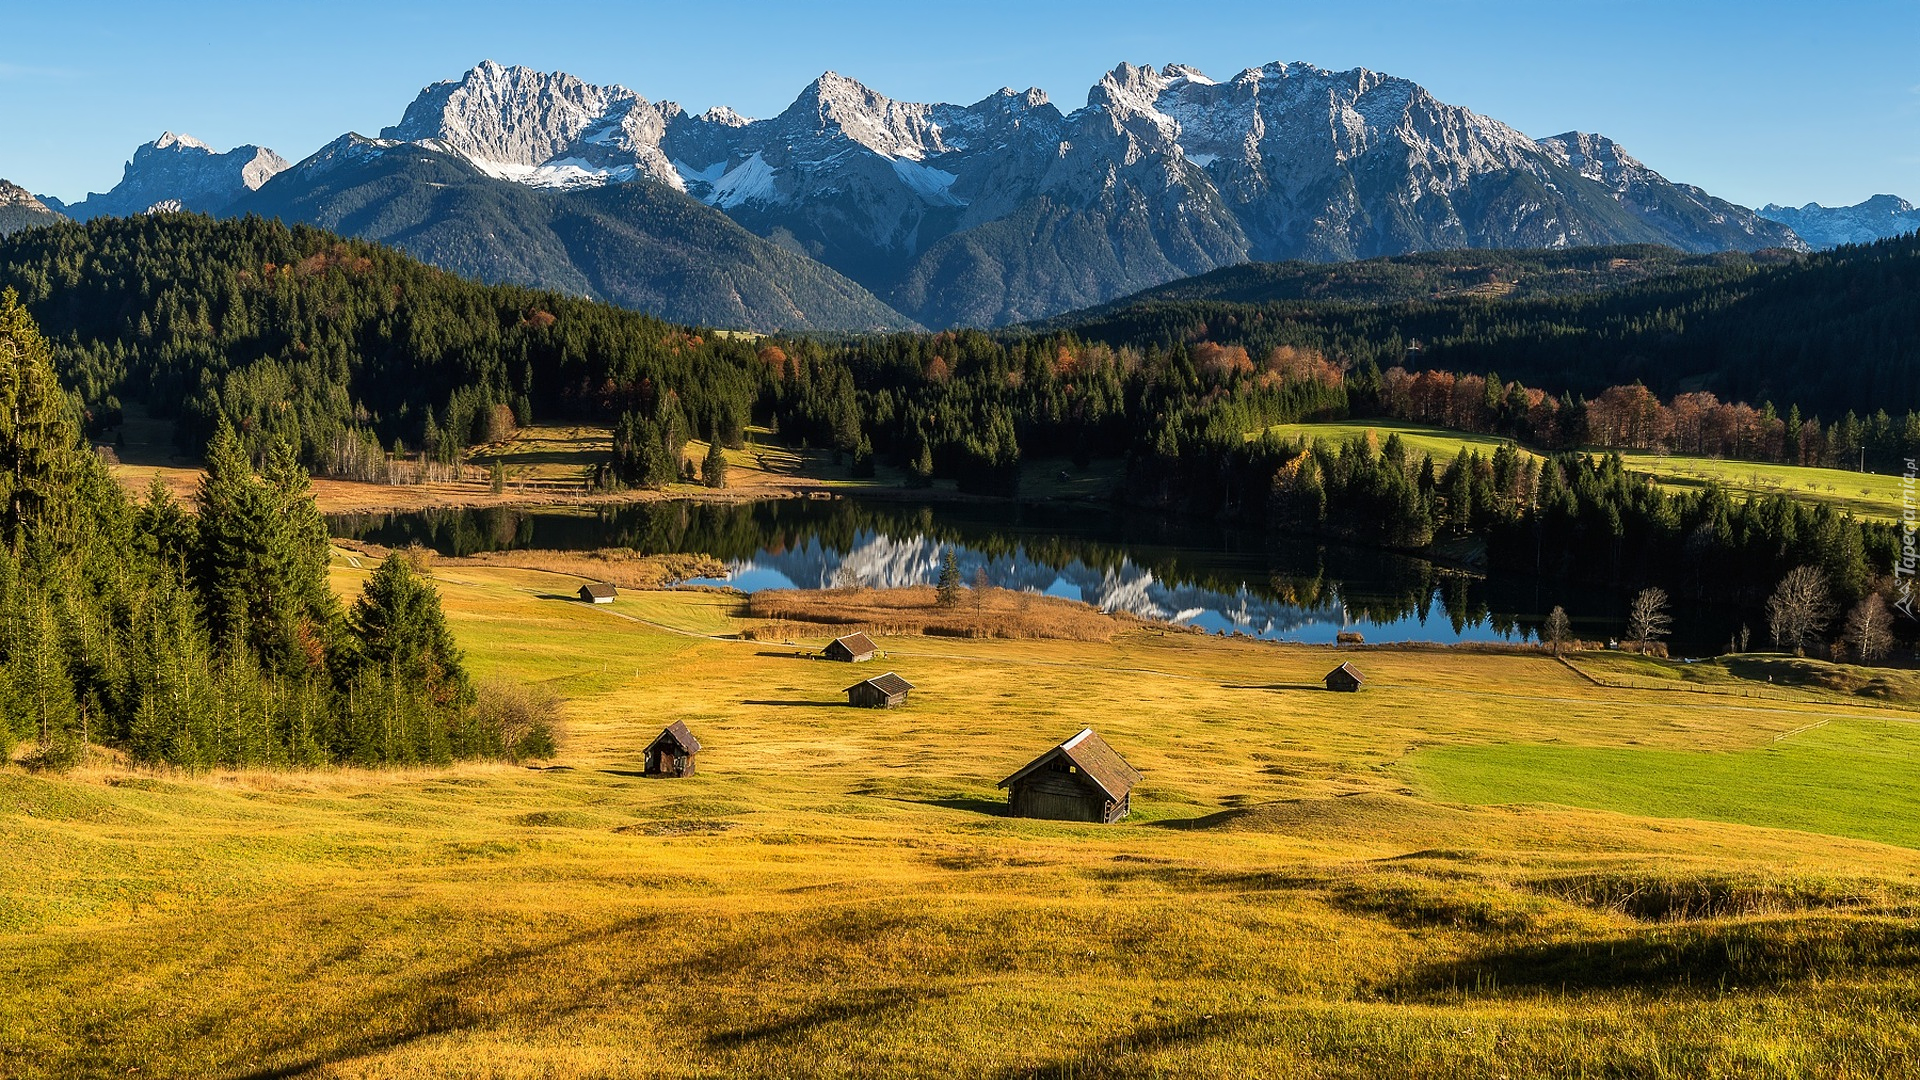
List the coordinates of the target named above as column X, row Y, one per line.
column 677, row 731
column 856, row 643
column 1095, row 760
column 1352, row 672
column 888, row 684
column 597, row 589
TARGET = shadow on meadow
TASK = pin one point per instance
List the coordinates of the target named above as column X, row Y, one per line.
column 864, row 1005
column 1704, row 958
column 1108, row 1056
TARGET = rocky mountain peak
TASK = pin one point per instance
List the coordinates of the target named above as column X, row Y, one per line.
column 168, row 140
column 509, row 115
column 180, row 168
column 834, row 104
column 1595, row 157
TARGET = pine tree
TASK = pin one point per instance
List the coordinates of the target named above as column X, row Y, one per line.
column 402, row 633
column 948, row 591
column 39, row 436
column 713, row 469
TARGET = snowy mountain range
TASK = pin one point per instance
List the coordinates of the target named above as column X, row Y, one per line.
column 1004, row 210
column 1878, row 218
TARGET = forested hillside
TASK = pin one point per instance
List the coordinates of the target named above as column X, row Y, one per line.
column 1432, row 275
column 1829, row 333
column 342, row 348
column 208, row 638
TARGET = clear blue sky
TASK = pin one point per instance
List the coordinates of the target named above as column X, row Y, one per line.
column 1759, row 101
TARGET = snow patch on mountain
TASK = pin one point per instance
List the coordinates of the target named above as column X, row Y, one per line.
column 933, row 185
column 750, row 181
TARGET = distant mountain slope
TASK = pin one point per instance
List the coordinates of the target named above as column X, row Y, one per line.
column 20, row 210
column 1879, row 218
column 640, row 245
column 179, row 172
column 1431, row 276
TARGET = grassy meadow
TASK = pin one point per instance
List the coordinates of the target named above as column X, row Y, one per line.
column 1484, row 864
column 1866, row 495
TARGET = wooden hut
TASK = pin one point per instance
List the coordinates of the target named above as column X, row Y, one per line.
column 1082, row 779
column 881, row 692
column 672, row 752
column 598, row 592
column 852, row 649
column 1344, row 678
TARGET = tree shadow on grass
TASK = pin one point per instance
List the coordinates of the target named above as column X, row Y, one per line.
column 1704, row 957
column 420, row 1008
column 863, row 1005
column 1104, row 1056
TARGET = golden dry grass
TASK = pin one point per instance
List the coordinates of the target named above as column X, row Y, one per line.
column 978, row 613
column 837, row 894
column 625, row 568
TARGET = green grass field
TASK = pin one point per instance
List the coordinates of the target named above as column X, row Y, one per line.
column 1866, row 495
column 1482, row 865
column 1838, row 779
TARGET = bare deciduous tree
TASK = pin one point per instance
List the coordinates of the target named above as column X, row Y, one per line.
column 1558, row 630
column 1647, row 619
column 1867, row 628
column 846, row 577
column 1800, row 609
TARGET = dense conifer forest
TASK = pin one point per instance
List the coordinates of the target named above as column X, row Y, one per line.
column 206, row 638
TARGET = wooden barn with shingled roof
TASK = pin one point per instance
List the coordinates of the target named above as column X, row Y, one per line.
column 598, row 592
column 671, row 753
column 1345, row 678
column 852, row 649
column 879, row 692
column 1082, row 779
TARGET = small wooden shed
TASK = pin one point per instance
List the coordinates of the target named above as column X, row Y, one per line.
column 880, row 692
column 598, row 592
column 1082, row 779
column 1344, row 678
column 671, row 753
column 852, row 649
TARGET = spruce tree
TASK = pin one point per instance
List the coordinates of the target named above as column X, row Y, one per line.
column 402, row 632
column 948, row 590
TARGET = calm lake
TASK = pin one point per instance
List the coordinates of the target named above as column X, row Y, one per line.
column 1215, row 578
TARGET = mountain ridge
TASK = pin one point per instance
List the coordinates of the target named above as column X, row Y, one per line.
column 1881, row 217
column 1009, row 209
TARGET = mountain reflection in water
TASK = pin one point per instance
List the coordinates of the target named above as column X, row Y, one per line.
column 1211, row 577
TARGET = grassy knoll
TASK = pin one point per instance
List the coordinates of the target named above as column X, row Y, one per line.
column 1867, row 495
column 836, row 893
